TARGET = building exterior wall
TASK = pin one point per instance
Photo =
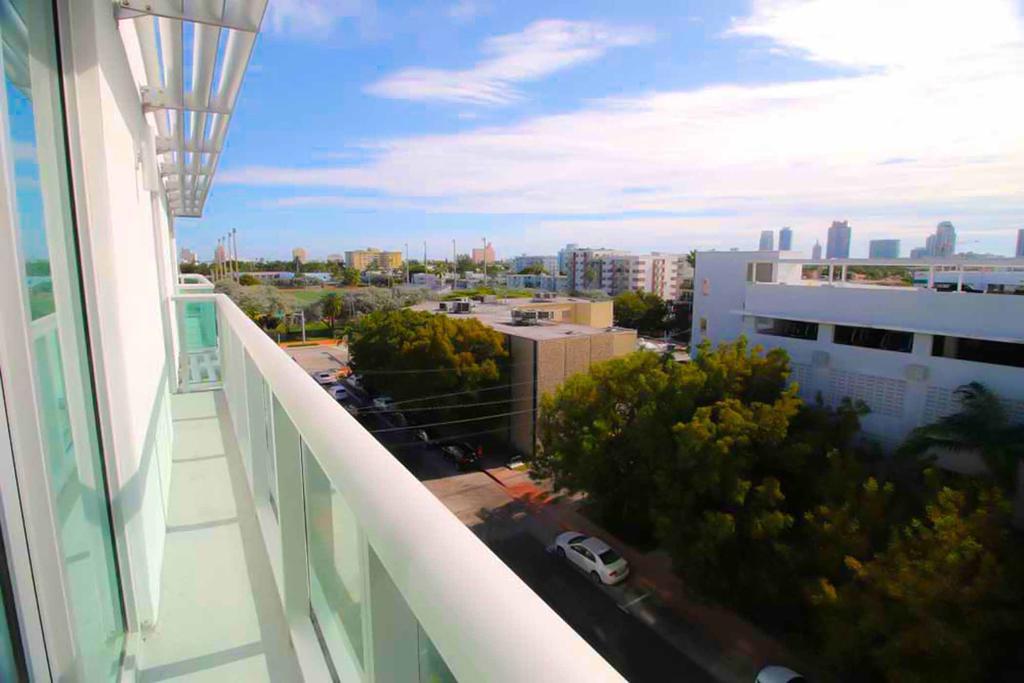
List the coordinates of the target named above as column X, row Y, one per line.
column 548, row 263
column 884, row 249
column 522, row 357
column 903, row 390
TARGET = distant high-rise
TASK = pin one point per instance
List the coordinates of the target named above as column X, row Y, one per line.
column 220, row 254
column 767, row 240
column 838, row 245
column 335, row 258
column 945, row 239
column 816, row 251
column 188, row 256
column 299, row 254
column 565, row 257
column 918, row 252
column 785, row 239
column 1020, row 244
column 884, row 249
column 484, row 254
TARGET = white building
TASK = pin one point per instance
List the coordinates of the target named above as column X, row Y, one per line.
column 902, row 350
column 614, row 272
column 178, row 498
column 547, row 283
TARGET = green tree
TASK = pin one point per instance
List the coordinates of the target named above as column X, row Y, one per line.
column 410, row 354
column 350, row 277
column 691, row 258
column 247, row 280
column 332, row 307
column 937, row 602
column 534, row 269
column 981, row 426
column 642, row 311
column 604, row 431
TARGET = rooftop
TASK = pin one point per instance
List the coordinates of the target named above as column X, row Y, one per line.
column 498, row 315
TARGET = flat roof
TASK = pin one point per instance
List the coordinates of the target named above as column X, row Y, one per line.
column 499, row 317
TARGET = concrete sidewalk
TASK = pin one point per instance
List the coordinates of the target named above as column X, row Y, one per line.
column 725, row 645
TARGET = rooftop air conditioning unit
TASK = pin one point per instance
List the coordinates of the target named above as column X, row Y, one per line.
column 460, row 307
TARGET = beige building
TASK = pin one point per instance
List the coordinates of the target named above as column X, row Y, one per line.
column 484, row 254
column 299, row 254
column 369, row 258
column 548, row 340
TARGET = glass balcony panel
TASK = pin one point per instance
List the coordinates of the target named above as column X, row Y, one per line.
column 335, row 549
column 200, row 365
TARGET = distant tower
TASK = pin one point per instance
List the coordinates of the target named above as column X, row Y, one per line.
column 838, row 245
column 1020, row 243
column 785, row 239
column 816, row 251
column 299, row 254
column 884, row 249
column 945, row 240
column 767, row 240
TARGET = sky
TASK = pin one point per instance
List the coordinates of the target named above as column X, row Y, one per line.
column 643, row 125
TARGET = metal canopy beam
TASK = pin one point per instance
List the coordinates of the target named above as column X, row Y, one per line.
column 232, row 13
column 191, row 121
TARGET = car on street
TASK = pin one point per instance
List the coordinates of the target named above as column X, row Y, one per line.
column 383, row 402
column 324, row 377
column 423, row 435
column 464, row 458
column 355, row 380
column 338, row 392
column 593, row 556
column 778, row 674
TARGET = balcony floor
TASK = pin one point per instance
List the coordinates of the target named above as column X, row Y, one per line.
column 219, row 618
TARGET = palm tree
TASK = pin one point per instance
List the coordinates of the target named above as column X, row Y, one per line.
column 331, row 308
column 691, row 258
column 982, row 426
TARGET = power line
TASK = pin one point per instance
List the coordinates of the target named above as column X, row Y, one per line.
column 384, row 411
column 443, row 440
column 452, row 422
column 461, row 393
column 357, row 371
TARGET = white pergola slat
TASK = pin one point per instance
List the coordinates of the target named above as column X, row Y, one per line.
column 192, row 118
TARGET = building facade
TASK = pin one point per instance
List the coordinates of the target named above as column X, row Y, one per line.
column 484, row 254
column 786, row 239
column 615, row 272
column 902, row 350
column 299, row 254
column 884, row 249
column 1019, row 253
column 838, row 244
column 767, row 241
column 816, row 251
column 565, row 257
column 188, row 257
column 547, row 283
column 335, row 258
column 373, row 259
column 178, row 498
column 548, row 263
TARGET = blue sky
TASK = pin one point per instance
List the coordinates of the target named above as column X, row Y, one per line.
column 642, row 125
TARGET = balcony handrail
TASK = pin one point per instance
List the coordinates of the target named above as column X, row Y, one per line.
column 486, row 623
column 194, row 279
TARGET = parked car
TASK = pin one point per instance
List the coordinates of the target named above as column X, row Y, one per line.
column 595, row 557
column 338, row 392
column 324, row 377
column 778, row 674
column 463, row 457
column 355, row 380
column 423, row 435
column 383, row 402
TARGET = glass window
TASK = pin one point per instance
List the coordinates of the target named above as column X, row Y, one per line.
column 779, row 327
column 609, row 556
column 979, row 350
column 60, row 366
column 874, row 338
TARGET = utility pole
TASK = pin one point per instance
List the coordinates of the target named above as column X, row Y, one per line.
column 216, row 261
column 234, row 242
column 484, row 259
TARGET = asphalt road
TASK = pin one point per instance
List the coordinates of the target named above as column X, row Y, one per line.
column 636, row 651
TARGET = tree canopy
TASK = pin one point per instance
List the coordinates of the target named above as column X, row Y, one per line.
column 778, row 508
column 643, row 311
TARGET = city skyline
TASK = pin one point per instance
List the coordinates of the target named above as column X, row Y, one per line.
column 539, row 126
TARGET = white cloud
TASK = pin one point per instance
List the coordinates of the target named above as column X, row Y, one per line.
column 313, row 18
column 541, row 49
column 894, row 144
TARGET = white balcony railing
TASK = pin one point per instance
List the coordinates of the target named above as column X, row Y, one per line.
column 374, row 573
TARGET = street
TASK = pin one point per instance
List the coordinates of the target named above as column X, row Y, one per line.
column 615, row 620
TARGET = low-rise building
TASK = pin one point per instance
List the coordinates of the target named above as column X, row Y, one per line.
column 902, row 350
column 615, row 272
column 548, row 263
column 372, row 258
column 549, row 339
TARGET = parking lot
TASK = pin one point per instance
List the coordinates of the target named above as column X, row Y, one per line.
column 613, row 619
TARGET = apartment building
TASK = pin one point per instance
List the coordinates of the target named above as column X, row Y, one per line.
column 615, row 272
column 178, row 499
column 887, row 249
column 901, row 350
column 373, row 259
column 484, row 254
column 547, row 283
column 549, row 339
column 548, row 263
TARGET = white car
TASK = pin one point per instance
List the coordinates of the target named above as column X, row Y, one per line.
column 383, row 402
column 338, row 392
column 324, row 377
column 778, row 674
column 595, row 557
